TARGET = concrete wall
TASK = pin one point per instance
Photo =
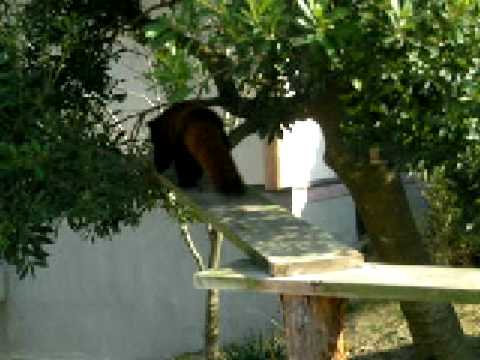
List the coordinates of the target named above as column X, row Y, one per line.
column 249, row 155
column 336, row 216
column 131, row 298
column 418, row 204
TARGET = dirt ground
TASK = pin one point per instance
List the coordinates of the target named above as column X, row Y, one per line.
column 369, row 339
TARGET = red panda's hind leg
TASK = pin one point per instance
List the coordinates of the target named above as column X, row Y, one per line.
column 188, row 170
column 205, row 140
column 163, row 152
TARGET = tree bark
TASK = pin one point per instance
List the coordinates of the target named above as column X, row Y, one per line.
column 212, row 321
column 381, row 200
column 314, row 327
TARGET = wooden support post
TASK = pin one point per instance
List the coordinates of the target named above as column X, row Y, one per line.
column 272, row 166
column 314, row 327
column 212, row 321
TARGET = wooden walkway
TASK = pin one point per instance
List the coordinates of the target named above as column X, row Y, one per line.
column 267, row 233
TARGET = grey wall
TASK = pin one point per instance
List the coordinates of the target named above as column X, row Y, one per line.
column 3, row 328
column 418, row 204
column 131, row 298
column 336, row 216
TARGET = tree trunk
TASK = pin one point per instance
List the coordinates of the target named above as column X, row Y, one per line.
column 314, row 327
column 212, row 321
column 381, row 200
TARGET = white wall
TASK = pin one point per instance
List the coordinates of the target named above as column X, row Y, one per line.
column 3, row 290
column 131, row 298
column 335, row 216
column 301, row 153
column 249, row 156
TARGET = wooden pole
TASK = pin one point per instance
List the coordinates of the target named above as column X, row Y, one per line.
column 212, row 322
column 314, row 327
column 272, row 166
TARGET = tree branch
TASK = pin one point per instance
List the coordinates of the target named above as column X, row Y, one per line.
column 160, row 5
column 187, row 238
column 216, row 64
column 143, row 113
column 241, row 132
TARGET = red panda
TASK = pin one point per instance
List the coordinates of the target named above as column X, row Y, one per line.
column 192, row 137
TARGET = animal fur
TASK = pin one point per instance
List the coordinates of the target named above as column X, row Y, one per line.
column 193, row 138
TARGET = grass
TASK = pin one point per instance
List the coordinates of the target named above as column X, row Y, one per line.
column 272, row 348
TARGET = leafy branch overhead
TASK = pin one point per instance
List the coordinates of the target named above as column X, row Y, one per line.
column 60, row 156
column 405, row 74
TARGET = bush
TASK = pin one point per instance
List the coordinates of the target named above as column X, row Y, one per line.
column 449, row 236
column 257, row 349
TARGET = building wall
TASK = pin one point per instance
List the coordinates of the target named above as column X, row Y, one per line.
column 130, row 298
column 335, row 215
column 249, row 156
column 301, row 152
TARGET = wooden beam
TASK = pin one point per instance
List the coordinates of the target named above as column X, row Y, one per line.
column 367, row 281
column 212, row 316
column 272, row 166
column 267, row 233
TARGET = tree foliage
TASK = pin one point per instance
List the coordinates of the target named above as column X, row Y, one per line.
column 407, row 73
column 61, row 156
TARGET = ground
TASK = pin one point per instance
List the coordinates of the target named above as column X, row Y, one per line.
column 368, row 339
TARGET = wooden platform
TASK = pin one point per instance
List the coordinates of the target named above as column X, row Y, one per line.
column 312, row 271
column 278, row 242
column 367, row 281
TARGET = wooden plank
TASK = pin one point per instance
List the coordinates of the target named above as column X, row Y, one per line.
column 212, row 316
column 269, row 234
column 367, row 281
column 272, row 166
column 314, row 327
